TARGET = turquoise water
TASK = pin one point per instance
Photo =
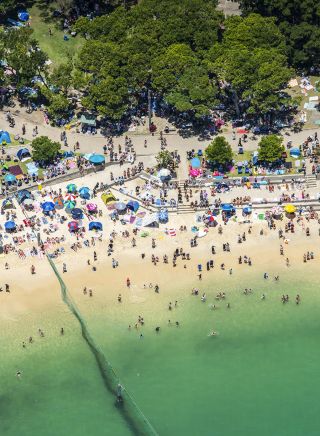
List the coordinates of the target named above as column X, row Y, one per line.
column 259, row 376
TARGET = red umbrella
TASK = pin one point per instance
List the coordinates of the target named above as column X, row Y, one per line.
column 73, row 226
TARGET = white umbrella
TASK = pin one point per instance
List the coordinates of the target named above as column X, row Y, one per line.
column 164, row 172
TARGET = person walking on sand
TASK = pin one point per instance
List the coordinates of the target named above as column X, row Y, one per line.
column 33, row 269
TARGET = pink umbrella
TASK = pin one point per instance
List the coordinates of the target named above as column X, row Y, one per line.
column 91, row 207
column 194, row 173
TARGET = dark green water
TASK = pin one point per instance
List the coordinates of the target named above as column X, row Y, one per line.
column 260, row 376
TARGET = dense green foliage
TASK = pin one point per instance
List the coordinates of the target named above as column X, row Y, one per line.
column 44, row 150
column 219, row 151
column 270, row 148
column 22, row 57
column 164, row 159
column 299, row 22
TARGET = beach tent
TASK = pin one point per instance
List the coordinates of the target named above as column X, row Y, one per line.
column 106, row 198
column 133, row 205
column 84, row 193
column 88, row 120
column 97, row 159
column 67, row 154
column 150, row 220
column 120, row 206
column 7, row 204
column 48, row 206
column 23, row 16
column 77, row 213
column 23, row 154
column 10, row 225
column 23, row 195
column 195, row 163
column 4, row 137
column 9, row 178
column 95, row 225
column 71, row 187
column 73, row 226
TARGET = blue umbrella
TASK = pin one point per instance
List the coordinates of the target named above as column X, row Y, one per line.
column 95, row 225
column 84, row 192
column 10, row 225
column 226, row 207
column 77, row 213
column 97, row 159
column 48, row 206
column 9, row 178
column 247, row 210
column 195, row 163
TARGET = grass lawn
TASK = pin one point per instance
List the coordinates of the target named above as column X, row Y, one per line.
column 58, row 50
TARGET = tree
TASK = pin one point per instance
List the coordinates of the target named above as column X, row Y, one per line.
column 109, row 96
column 22, row 56
column 61, row 77
column 164, row 159
column 219, row 151
column 44, row 150
column 299, row 22
column 270, row 148
column 251, row 65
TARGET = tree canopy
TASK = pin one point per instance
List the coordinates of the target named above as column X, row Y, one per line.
column 298, row 21
column 44, row 150
column 219, row 151
column 270, row 148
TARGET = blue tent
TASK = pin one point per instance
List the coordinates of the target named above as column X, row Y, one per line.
column 7, row 204
column 84, row 193
column 133, row 205
column 77, row 213
column 23, row 153
column 68, row 154
column 4, row 137
column 195, row 162
column 48, row 206
column 10, row 225
column 95, row 225
column 97, row 159
column 23, row 15
column 9, row 178
column 227, row 207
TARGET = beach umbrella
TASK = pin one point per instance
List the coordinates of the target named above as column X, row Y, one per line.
column 70, row 197
column 7, row 204
column 247, row 210
column 84, row 192
column 22, row 195
column 77, row 213
column 164, row 172
column 73, row 226
column 69, row 204
column 92, row 207
column 227, row 207
column 71, row 187
column 290, row 208
column 96, row 159
column 133, row 205
column 194, row 173
column 95, row 225
column 10, row 225
column 120, row 206
column 195, row 163
column 9, row 178
column 58, row 201
column 295, row 152
column 48, row 206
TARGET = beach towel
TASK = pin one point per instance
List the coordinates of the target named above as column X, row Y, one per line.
column 172, row 232
column 16, row 170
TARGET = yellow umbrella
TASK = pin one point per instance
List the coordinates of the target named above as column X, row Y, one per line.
column 290, row 208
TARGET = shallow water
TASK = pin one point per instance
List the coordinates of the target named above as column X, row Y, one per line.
column 259, row 376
